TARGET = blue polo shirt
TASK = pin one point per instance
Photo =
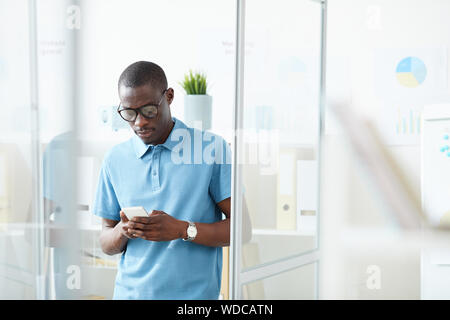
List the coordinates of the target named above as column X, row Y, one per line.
column 185, row 177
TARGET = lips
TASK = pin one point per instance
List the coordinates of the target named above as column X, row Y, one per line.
column 145, row 133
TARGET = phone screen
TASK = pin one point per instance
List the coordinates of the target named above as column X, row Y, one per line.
column 131, row 212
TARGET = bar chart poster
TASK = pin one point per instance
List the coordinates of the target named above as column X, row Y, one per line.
column 408, row 122
column 401, row 124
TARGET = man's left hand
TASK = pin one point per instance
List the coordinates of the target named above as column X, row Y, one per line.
column 158, row 226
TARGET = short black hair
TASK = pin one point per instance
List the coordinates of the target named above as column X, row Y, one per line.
column 141, row 73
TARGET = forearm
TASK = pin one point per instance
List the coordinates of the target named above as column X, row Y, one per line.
column 112, row 241
column 215, row 234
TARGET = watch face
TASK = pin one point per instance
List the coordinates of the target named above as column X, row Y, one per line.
column 191, row 231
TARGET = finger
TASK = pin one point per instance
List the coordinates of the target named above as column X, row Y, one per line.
column 125, row 232
column 147, row 235
column 128, row 234
column 139, row 233
column 143, row 220
column 154, row 213
column 123, row 217
column 138, row 226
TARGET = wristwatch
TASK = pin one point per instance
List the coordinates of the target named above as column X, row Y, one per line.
column 191, row 232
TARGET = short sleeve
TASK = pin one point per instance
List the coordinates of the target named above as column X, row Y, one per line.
column 106, row 204
column 220, row 185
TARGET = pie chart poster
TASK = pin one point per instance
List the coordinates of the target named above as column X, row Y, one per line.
column 411, row 72
column 411, row 75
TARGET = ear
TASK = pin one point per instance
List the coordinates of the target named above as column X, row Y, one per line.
column 170, row 94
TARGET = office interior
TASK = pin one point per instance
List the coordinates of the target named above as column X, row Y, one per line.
column 337, row 113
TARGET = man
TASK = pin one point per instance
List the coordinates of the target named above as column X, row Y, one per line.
column 175, row 252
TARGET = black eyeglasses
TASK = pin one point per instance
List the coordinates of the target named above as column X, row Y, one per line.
column 148, row 111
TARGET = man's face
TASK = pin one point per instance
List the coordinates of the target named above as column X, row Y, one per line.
column 157, row 129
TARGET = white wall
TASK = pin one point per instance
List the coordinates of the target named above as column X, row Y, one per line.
column 177, row 35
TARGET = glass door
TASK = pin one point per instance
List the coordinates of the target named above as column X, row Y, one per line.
column 39, row 249
column 279, row 97
column 20, row 246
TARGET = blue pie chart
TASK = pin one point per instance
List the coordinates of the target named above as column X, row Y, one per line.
column 411, row 72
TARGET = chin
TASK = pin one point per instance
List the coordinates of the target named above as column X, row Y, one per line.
column 150, row 139
column 147, row 141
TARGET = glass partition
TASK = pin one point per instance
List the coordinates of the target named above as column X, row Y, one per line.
column 38, row 234
column 58, row 85
column 18, row 269
column 280, row 129
column 297, row 284
column 277, row 120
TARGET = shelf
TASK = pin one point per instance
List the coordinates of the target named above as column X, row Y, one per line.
column 100, row 265
column 360, row 239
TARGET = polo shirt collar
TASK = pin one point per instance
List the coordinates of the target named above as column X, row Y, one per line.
column 141, row 148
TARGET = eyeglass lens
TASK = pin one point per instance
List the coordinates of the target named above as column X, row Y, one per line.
column 146, row 111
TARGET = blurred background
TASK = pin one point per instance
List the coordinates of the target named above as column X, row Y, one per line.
column 341, row 125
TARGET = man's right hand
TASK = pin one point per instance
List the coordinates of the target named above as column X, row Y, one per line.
column 123, row 226
column 115, row 235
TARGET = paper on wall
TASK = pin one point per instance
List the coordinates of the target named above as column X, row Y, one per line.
column 307, row 185
column 405, row 80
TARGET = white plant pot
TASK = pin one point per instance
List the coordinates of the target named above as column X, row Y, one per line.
column 198, row 110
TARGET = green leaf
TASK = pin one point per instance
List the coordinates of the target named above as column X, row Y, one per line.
column 194, row 83
column 196, row 86
column 204, row 86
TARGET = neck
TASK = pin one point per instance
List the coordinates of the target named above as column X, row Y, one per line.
column 166, row 135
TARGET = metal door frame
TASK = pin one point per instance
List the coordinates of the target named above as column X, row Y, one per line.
column 237, row 277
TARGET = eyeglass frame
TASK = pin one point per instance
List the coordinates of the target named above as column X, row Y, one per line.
column 138, row 110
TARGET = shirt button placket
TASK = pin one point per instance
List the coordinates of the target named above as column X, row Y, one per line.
column 155, row 170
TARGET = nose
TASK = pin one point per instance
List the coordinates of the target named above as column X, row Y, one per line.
column 140, row 121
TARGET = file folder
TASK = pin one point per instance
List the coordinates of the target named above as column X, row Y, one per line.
column 286, row 190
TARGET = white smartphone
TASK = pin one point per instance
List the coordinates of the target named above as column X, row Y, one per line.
column 131, row 212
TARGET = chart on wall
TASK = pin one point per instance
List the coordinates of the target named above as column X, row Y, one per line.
column 411, row 72
column 402, row 125
column 436, row 166
column 404, row 81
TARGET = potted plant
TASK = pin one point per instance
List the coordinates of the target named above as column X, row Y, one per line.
column 197, row 103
